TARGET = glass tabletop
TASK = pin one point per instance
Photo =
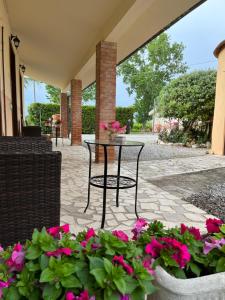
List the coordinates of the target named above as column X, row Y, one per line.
column 116, row 142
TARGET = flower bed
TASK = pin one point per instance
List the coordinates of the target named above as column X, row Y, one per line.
column 56, row 264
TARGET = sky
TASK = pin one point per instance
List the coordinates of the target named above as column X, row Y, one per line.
column 200, row 31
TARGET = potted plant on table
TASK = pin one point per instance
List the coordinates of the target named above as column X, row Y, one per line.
column 113, row 128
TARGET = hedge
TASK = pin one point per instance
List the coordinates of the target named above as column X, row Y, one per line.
column 43, row 111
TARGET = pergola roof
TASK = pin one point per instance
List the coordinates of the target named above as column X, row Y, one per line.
column 58, row 37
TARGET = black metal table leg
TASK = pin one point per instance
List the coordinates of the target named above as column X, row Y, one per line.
column 118, row 176
column 105, row 186
column 56, row 136
column 136, row 188
column 89, row 177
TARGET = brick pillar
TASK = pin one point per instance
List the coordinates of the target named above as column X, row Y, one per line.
column 105, row 92
column 64, row 115
column 76, row 112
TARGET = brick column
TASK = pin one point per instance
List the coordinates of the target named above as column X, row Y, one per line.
column 76, row 112
column 105, row 92
column 64, row 115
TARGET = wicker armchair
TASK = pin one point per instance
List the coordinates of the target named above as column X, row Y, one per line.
column 29, row 194
column 24, row 144
column 31, row 131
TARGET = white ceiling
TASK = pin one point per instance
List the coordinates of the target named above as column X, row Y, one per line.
column 58, row 37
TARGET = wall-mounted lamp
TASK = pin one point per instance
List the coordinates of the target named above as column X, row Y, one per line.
column 23, row 68
column 15, row 40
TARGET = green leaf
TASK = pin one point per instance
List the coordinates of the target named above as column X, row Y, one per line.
column 50, row 292
column 67, row 269
column 179, row 273
column 12, row 294
column 35, row 236
column 32, row 267
column 138, row 294
column 120, row 284
column 108, row 265
column 148, row 286
column 71, row 282
column 44, row 260
column 220, row 267
column 33, row 252
column 222, row 228
column 47, row 275
column 95, row 262
column 99, row 275
column 195, row 269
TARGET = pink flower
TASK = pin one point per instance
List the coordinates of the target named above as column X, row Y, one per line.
column 120, row 260
column 147, row 264
column 194, row 231
column 16, row 261
column 70, row 296
column 121, row 235
column 153, row 248
column 180, row 251
column 83, row 243
column 1, row 249
column 122, row 129
column 103, row 125
column 124, row 297
column 3, row 285
column 138, row 227
column 90, row 233
column 54, row 231
column 115, row 125
column 58, row 252
column 214, row 244
column 213, row 225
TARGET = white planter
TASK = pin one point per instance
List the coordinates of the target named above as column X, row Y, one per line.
column 211, row 287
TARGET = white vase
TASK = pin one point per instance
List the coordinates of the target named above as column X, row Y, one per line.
column 210, row 287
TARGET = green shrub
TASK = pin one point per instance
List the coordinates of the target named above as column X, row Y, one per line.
column 137, row 127
column 40, row 112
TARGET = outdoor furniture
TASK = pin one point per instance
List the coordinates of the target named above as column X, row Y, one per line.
column 29, row 194
column 31, row 131
column 25, row 144
column 117, row 181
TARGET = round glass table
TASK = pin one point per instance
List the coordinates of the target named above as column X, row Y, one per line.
column 107, row 181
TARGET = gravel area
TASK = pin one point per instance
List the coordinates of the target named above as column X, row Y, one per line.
column 212, row 200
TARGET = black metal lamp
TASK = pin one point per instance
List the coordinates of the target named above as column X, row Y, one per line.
column 23, row 68
column 15, row 40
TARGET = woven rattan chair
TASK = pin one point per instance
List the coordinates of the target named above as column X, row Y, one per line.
column 31, row 131
column 29, row 194
column 25, row 144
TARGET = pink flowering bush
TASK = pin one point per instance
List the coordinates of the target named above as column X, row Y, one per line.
column 57, row 265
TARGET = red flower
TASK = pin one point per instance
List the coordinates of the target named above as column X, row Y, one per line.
column 120, row 260
column 58, row 252
column 153, row 248
column 194, row 231
column 54, row 231
column 213, row 225
column 121, row 235
column 90, row 233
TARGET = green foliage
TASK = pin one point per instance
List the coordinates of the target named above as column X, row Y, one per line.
column 89, row 93
column 38, row 113
column 137, row 127
column 53, row 94
column 149, row 70
column 123, row 114
column 190, row 97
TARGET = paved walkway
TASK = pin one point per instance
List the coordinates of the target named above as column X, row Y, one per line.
column 153, row 201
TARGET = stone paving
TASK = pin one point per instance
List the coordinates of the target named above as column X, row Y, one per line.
column 153, row 201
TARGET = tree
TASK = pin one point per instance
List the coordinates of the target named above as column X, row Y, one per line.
column 147, row 71
column 89, row 93
column 190, row 98
column 53, row 94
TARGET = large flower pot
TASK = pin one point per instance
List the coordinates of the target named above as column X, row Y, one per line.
column 211, row 287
